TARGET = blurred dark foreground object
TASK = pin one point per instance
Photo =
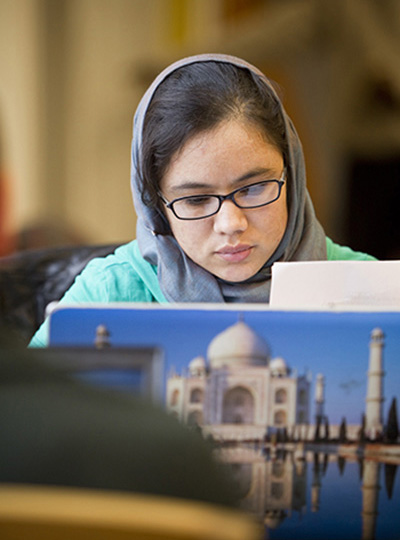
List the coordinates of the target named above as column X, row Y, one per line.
column 57, row 431
column 81, row 462
column 30, row 280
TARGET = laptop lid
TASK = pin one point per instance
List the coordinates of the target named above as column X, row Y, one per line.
column 300, row 405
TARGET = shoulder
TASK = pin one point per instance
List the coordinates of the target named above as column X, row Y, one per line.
column 123, row 276
column 335, row 252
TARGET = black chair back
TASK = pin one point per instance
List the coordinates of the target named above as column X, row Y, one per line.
column 31, row 279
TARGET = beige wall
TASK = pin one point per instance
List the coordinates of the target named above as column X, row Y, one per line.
column 20, row 107
column 73, row 71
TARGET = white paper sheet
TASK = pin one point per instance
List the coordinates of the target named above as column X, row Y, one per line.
column 335, row 284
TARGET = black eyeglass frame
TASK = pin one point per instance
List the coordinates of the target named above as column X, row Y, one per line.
column 229, row 197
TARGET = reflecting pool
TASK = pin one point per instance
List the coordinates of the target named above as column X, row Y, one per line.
column 318, row 496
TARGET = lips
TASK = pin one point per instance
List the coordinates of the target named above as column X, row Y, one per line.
column 234, row 253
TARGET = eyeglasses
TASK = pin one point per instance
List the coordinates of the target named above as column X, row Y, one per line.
column 203, row 206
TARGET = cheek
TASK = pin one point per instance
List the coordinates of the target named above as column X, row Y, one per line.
column 281, row 217
column 188, row 234
column 281, row 225
column 273, row 223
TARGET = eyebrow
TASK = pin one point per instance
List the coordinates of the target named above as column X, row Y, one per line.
column 193, row 185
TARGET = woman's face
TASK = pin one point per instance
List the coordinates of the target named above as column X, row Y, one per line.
column 234, row 243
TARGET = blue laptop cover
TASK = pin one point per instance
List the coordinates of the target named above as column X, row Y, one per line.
column 302, row 406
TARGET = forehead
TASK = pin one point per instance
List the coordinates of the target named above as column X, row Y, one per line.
column 222, row 156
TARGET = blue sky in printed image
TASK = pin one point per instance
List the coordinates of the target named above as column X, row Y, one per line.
column 334, row 344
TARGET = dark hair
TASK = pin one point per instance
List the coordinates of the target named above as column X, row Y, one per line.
column 194, row 99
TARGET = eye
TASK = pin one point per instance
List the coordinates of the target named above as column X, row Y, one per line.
column 198, row 200
column 254, row 189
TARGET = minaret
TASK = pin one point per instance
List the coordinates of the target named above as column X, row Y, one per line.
column 316, row 484
column 319, row 397
column 102, row 340
column 374, row 400
column 370, row 498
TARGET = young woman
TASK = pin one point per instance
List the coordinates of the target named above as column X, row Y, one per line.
column 219, row 187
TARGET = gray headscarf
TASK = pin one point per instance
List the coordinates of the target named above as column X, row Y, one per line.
column 182, row 280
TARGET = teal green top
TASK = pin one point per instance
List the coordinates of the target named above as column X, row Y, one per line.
column 125, row 276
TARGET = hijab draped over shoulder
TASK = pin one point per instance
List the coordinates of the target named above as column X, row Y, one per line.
column 182, row 280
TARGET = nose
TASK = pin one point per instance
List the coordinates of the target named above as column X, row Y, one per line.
column 230, row 219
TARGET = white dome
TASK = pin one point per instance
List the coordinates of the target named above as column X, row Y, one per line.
column 238, row 345
column 278, row 366
column 197, row 366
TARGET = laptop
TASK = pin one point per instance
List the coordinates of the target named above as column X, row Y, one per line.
column 301, row 406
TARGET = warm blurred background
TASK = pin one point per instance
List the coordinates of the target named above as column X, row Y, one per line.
column 73, row 71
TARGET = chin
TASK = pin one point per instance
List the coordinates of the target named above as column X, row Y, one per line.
column 235, row 277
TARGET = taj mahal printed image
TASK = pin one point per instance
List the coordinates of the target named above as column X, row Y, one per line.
column 239, row 392
column 242, row 396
